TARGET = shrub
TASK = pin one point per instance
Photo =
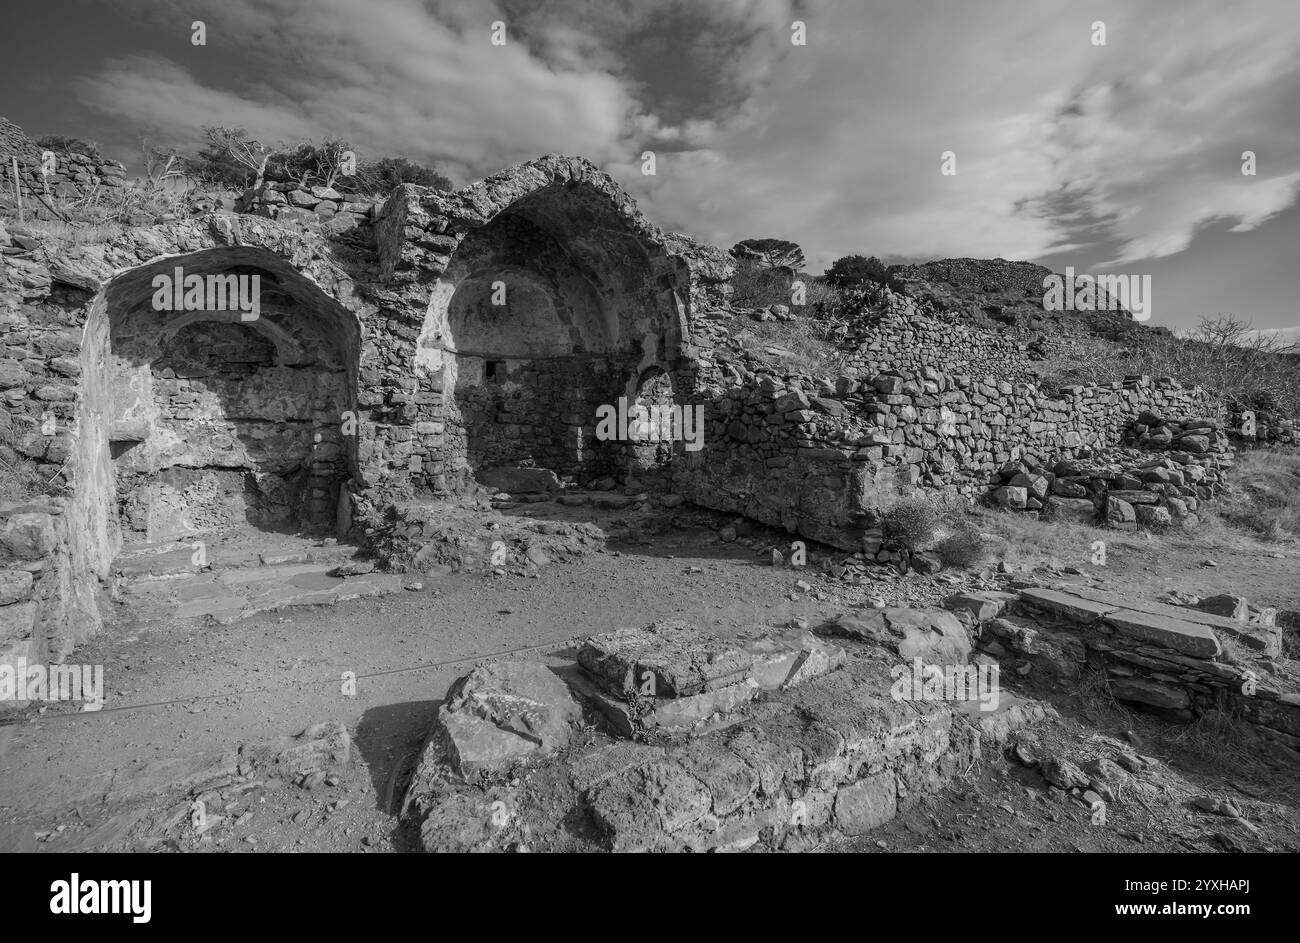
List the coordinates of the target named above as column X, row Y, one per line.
column 856, row 270
column 311, row 165
column 62, row 144
column 965, row 546
column 387, row 173
column 755, row 285
column 913, row 522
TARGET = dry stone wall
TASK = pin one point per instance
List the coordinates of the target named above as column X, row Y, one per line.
column 907, row 338
column 1172, row 660
column 819, row 464
column 72, row 176
column 291, row 202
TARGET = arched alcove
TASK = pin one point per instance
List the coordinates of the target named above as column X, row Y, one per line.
column 543, row 314
column 228, row 410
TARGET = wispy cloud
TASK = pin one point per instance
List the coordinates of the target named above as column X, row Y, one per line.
column 1117, row 154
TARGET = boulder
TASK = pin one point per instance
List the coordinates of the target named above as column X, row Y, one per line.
column 1013, row 497
column 502, row 713
column 28, row 534
column 1120, row 514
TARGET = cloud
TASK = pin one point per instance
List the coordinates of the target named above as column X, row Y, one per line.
column 385, row 74
column 1118, row 153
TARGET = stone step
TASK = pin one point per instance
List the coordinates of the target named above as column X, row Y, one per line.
column 227, row 595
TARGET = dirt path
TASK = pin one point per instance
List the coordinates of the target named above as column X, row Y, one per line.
column 184, row 687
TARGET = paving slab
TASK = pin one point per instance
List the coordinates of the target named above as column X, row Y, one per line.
column 1188, row 637
column 1069, row 605
column 1263, row 638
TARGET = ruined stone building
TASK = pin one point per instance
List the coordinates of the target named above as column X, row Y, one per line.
column 420, row 348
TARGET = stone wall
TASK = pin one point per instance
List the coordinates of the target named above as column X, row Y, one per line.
column 73, row 175
column 533, row 412
column 205, row 407
column 48, row 598
column 906, row 338
column 290, row 202
column 777, row 453
column 1180, row 662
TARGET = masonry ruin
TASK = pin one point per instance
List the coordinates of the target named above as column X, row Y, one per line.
column 440, row 345
column 215, row 420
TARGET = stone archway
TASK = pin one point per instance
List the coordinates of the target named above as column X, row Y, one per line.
column 221, row 417
column 547, row 307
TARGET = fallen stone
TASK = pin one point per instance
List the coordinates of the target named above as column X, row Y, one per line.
column 933, row 635
column 1228, row 605
column 1063, row 773
column 503, row 712
column 982, row 604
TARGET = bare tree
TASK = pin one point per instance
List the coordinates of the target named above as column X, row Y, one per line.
column 1228, row 329
column 233, row 149
column 161, row 165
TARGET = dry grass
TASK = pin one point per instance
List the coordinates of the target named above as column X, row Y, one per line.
column 1223, row 741
column 1032, row 543
column 1096, row 702
column 964, row 545
column 1265, row 500
column 1262, row 379
column 809, row 350
column 19, row 479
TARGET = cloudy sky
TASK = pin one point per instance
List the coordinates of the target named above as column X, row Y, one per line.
column 1118, row 158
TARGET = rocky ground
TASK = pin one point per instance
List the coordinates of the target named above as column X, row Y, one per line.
column 185, row 694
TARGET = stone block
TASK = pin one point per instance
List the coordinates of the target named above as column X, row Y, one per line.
column 866, row 804
column 1013, row 497
column 15, row 586
column 1151, row 693
column 1067, row 605
column 982, row 604
column 503, row 712
column 1186, row 637
column 1228, row 605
